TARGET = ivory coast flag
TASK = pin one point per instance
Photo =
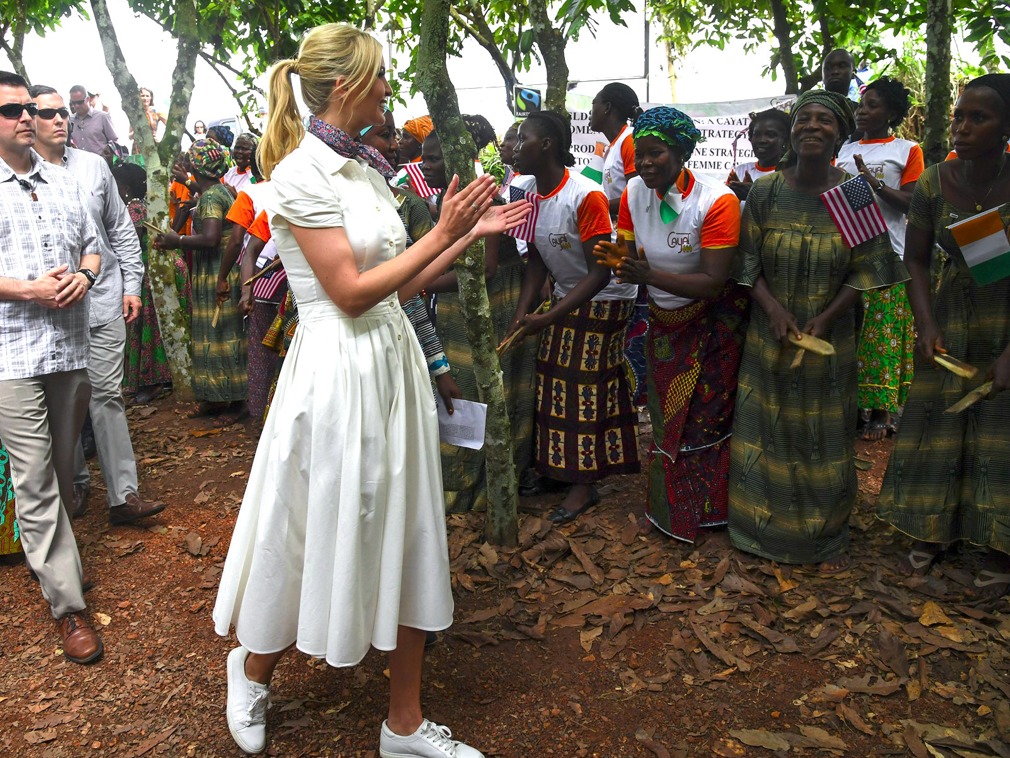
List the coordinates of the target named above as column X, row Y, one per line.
column 984, row 244
column 594, row 169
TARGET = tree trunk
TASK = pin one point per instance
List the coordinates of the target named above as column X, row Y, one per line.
column 15, row 49
column 174, row 331
column 432, row 78
column 783, row 35
column 551, row 42
column 938, row 34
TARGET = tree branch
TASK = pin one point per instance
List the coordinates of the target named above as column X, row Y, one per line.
column 234, row 92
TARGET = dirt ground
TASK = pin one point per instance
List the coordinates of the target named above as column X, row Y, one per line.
column 592, row 640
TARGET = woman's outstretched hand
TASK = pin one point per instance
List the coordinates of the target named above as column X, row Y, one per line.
column 471, row 208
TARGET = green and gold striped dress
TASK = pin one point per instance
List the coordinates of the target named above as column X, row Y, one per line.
column 463, row 470
column 219, row 352
column 792, row 474
column 948, row 478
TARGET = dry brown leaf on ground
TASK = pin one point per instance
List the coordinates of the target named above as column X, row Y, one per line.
column 932, row 615
column 801, row 611
column 587, row 636
column 588, row 566
column 645, row 736
column 194, row 544
column 869, row 684
column 850, row 716
column 822, row 739
column 715, row 648
column 153, row 741
column 892, row 653
column 762, row 738
column 779, row 641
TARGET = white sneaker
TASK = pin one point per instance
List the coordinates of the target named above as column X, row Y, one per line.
column 247, row 705
column 429, row 741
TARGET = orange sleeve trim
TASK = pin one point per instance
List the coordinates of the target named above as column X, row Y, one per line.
column 628, row 155
column 260, row 227
column 624, row 221
column 594, row 216
column 721, row 227
column 242, row 211
column 914, row 166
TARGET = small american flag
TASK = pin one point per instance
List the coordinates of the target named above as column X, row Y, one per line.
column 854, row 211
column 417, row 180
column 527, row 229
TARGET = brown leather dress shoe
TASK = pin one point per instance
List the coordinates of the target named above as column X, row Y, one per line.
column 132, row 510
column 80, row 505
column 81, row 643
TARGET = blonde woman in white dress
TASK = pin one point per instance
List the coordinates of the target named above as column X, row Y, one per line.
column 340, row 544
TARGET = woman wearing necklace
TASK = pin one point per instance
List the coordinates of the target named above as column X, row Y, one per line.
column 792, row 481
column 340, row 543
column 948, row 479
column 891, row 166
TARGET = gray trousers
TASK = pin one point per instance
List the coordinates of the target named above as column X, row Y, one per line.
column 40, row 423
column 108, row 414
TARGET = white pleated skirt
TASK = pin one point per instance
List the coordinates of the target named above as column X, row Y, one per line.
column 341, row 535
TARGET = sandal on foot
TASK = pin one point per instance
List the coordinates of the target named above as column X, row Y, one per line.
column 230, row 418
column 877, row 430
column 992, row 583
column 208, row 410
column 561, row 516
column 918, row 561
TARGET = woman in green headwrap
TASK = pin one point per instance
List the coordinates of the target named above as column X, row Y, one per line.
column 218, row 340
column 792, row 474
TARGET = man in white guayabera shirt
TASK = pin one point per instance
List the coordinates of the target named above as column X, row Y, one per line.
column 50, row 255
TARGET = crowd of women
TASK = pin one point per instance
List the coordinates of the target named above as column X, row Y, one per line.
column 318, row 283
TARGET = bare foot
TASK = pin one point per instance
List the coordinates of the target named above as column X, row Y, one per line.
column 878, row 427
column 836, row 565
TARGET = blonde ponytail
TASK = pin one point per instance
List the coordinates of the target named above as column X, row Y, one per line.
column 284, row 129
column 327, row 53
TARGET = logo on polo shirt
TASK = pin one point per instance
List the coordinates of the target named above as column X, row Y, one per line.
column 680, row 243
column 559, row 240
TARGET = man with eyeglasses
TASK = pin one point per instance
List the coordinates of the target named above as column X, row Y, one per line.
column 50, row 255
column 91, row 129
column 114, row 301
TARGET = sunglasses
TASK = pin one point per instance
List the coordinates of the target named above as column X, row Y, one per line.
column 78, row 102
column 48, row 114
column 14, row 110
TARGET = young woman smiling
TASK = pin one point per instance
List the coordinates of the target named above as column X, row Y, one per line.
column 586, row 426
column 891, row 166
column 340, row 543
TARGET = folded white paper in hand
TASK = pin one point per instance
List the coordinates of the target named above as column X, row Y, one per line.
column 465, row 427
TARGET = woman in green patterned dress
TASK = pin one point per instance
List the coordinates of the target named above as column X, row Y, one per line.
column 218, row 340
column 10, row 534
column 792, row 472
column 948, row 479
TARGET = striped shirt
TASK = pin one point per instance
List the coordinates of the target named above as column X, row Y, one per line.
column 37, row 235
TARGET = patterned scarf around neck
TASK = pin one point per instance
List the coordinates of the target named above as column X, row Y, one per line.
column 344, row 144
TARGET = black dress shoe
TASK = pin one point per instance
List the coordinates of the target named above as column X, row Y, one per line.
column 132, row 510
column 561, row 516
column 80, row 505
